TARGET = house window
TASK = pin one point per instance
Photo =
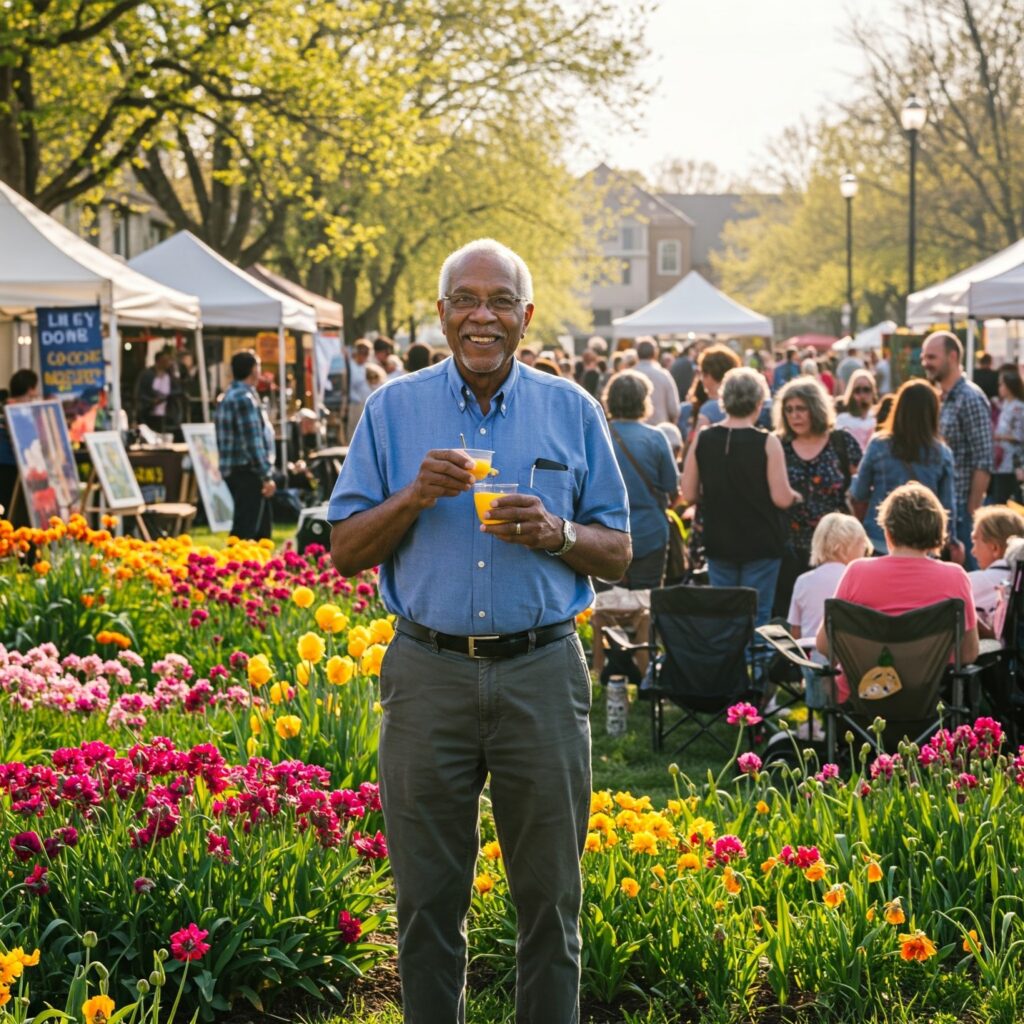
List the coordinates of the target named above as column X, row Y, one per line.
column 670, row 257
column 627, row 272
column 120, row 220
column 158, row 232
column 602, row 318
column 629, row 238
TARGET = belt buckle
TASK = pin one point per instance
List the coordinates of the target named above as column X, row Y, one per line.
column 472, row 641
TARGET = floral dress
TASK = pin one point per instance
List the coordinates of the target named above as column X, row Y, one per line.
column 823, row 481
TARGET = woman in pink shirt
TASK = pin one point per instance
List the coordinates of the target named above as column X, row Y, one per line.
column 914, row 524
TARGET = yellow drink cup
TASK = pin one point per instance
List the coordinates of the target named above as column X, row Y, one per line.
column 485, row 493
column 482, row 459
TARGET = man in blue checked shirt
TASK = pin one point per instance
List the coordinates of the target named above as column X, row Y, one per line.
column 245, row 445
column 485, row 675
column 966, row 424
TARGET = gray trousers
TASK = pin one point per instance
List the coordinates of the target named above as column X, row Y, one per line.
column 448, row 721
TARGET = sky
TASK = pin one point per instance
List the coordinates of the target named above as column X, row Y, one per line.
column 729, row 75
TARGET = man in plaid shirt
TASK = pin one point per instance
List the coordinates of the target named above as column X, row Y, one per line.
column 245, row 443
column 966, row 425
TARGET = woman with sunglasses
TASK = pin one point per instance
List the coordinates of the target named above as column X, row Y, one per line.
column 820, row 462
column 858, row 402
column 906, row 449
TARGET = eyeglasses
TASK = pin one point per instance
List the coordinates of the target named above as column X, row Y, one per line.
column 863, row 391
column 465, row 302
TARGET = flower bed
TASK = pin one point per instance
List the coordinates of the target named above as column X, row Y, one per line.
column 284, row 874
column 900, row 884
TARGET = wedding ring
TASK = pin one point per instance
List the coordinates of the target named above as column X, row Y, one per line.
column 519, row 529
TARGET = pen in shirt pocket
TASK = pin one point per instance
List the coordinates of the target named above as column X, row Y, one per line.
column 546, row 464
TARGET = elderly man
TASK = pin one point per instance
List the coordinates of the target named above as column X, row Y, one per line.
column 485, row 675
column 665, row 394
column 966, row 424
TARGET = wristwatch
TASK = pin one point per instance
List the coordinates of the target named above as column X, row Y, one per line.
column 568, row 539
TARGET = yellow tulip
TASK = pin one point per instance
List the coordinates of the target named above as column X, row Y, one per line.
column 278, row 693
column 255, row 725
column 252, row 746
column 331, row 619
column 288, row 726
column 98, row 1009
column 259, row 670
column 340, row 670
column 630, row 886
column 311, row 647
column 303, row 596
column 381, row 631
column 371, row 660
column 302, row 673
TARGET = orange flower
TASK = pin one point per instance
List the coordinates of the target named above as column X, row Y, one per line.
column 835, row 896
column 874, row 871
column 110, row 636
column 630, row 886
column 688, row 862
column 894, row 912
column 768, row 865
column 916, row 946
column 492, row 850
column 730, row 881
column 483, row 883
column 762, row 807
column 816, row 872
column 971, row 943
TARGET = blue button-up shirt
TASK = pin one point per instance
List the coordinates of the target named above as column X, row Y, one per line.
column 446, row 574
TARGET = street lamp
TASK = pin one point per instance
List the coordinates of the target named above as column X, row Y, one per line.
column 848, row 189
column 912, row 117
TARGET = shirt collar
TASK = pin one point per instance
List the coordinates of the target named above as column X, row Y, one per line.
column 960, row 385
column 462, row 394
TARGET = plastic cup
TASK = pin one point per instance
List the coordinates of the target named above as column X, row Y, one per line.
column 484, row 493
column 482, row 459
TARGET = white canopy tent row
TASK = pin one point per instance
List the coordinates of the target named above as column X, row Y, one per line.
column 693, row 305
column 992, row 289
column 42, row 263
column 229, row 297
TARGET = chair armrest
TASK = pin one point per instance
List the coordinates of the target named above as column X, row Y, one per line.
column 780, row 639
column 969, row 671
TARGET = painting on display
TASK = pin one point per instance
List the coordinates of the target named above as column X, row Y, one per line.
column 115, row 472
column 46, row 464
column 201, row 439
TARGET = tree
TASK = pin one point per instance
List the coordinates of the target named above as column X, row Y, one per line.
column 966, row 59
column 84, row 83
column 689, row 177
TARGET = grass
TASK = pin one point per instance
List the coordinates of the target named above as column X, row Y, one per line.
column 203, row 535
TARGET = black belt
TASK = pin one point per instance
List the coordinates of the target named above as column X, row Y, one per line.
column 495, row 645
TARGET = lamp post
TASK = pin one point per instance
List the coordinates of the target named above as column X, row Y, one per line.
column 848, row 189
column 912, row 117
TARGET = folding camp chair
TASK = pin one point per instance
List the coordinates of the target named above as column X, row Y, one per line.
column 704, row 634
column 895, row 666
column 1002, row 662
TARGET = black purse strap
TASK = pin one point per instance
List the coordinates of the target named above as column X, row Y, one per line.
column 659, row 496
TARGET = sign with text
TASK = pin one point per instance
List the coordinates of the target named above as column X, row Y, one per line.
column 71, row 350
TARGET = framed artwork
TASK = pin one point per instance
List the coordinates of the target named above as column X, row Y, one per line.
column 201, row 439
column 115, row 473
column 46, row 464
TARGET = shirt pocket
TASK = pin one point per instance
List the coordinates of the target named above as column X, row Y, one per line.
column 555, row 489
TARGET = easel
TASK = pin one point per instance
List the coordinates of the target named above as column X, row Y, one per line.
column 181, row 513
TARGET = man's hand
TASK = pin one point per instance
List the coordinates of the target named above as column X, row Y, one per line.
column 268, row 488
column 523, row 519
column 444, row 473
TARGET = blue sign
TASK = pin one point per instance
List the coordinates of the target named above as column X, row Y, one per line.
column 71, row 349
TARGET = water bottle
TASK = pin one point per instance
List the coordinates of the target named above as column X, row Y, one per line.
column 616, row 706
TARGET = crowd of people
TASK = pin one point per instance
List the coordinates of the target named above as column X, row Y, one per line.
column 790, row 472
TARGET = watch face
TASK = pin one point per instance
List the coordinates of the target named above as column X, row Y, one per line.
column 568, row 531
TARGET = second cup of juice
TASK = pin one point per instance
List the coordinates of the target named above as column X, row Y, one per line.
column 485, row 493
column 482, row 459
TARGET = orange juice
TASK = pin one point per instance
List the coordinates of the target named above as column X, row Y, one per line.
column 482, row 458
column 485, row 493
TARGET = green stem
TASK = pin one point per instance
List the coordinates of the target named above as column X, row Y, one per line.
column 177, row 998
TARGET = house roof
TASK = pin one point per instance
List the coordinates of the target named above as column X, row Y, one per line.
column 655, row 203
column 709, row 214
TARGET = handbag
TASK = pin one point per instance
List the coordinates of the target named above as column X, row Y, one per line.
column 659, row 496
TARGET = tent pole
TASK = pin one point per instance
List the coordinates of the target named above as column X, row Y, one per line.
column 204, row 384
column 282, row 401
column 115, row 370
column 972, row 325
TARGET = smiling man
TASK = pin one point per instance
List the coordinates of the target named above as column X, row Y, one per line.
column 485, row 675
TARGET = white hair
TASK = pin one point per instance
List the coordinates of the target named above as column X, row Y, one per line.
column 524, row 282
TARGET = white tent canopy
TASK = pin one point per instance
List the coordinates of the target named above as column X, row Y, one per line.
column 694, row 304
column 992, row 288
column 42, row 263
column 229, row 297
column 869, row 338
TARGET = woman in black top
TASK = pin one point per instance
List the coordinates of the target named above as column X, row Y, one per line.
column 738, row 474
